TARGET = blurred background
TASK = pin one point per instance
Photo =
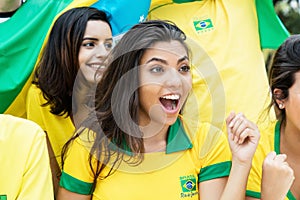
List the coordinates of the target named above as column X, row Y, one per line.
column 289, row 13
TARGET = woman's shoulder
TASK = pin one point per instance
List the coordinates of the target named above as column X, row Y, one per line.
column 34, row 92
column 15, row 127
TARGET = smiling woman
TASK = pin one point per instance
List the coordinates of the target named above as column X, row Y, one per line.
column 57, row 100
column 96, row 43
column 136, row 145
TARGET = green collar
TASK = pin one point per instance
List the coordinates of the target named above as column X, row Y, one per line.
column 277, row 150
column 277, row 138
column 177, row 140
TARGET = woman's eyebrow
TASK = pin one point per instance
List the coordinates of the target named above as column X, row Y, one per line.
column 158, row 60
column 182, row 59
column 90, row 38
column 165, row 62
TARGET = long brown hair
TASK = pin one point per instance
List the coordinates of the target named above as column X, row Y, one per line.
column 57, row 69
column 115, row 118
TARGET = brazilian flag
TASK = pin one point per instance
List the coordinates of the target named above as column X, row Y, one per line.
column 22, row 37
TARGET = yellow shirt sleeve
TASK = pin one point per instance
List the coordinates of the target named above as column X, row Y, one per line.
column 25, row 171
column 58, row 128
column 37, row 179
column 77, row 175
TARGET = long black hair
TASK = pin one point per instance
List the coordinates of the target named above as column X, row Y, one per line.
column 58, row 67
column 285, row 63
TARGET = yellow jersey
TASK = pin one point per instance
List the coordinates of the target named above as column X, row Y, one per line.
column 190, row 158
column 25, row 171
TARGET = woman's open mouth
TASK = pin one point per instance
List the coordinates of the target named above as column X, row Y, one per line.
column 170, row 102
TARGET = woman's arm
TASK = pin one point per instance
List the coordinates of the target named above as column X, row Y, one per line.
column 277, row 177
column 243, row 137
column 212, row 189
column 64, row 194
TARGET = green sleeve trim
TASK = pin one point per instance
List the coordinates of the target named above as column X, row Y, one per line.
column 253, row 194
column 257, row 195
column 215, row 171
column 75, row 185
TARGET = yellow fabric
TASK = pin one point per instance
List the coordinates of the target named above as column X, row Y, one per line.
column 266, row 144
column 159, row 176
column 25, row 171
column 59, row 128
column 229, row 71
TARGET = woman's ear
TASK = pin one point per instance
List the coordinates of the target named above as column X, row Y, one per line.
column 279, row 98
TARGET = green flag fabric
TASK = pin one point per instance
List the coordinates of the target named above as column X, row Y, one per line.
column 21, row 38
column 272, row 31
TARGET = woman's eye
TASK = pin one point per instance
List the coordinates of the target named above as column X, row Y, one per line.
column 157, row 69
column 108, row 45
column 88, row 44
column 185, row 68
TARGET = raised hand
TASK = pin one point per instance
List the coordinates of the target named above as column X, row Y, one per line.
column 277, row 177
column 243, row 137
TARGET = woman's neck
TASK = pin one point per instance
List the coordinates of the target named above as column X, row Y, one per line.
column 290, row 139
column 155, row 137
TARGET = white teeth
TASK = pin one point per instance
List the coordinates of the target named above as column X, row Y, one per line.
column 97, row 66
column 172, row 97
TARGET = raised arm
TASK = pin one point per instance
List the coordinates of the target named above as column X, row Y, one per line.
column 243, row 138
column 277, row 177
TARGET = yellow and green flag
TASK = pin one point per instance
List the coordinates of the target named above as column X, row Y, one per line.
column 22, row 37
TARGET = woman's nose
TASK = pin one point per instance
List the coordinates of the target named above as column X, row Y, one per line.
column 101, row 51
column 174, row 78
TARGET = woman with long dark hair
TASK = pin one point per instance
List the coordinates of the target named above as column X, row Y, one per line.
column 65, row 75
column 279, row 176
column 136, row 145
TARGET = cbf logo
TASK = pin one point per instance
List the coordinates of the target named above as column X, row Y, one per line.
column 203, row 25
column 188, row 186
